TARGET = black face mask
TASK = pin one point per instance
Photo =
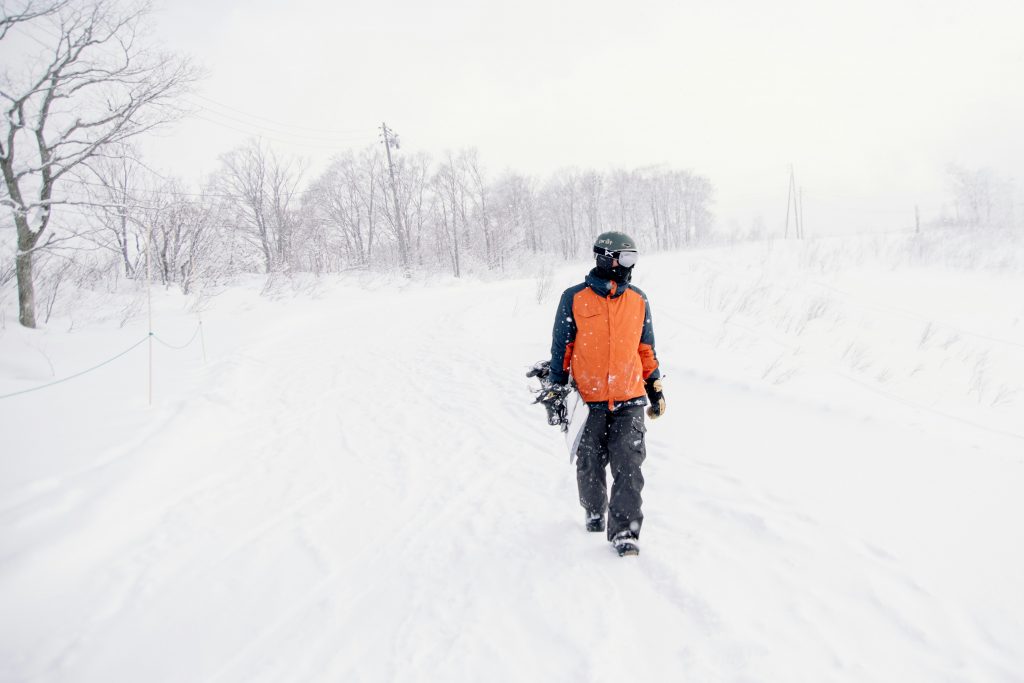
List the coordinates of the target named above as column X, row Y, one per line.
column 620, row 273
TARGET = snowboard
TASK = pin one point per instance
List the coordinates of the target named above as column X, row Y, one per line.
column 576, row 413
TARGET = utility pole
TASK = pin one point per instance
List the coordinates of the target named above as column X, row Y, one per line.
column 789, row 201
column 391, row 140
column 800, row 215
column 794, row 199
column 149, row 304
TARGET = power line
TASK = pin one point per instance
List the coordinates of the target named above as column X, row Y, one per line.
column 86, row 214
column 330, row 145
column 277, row 123
column 348, row 139
column 214, row 195
column 334, row 138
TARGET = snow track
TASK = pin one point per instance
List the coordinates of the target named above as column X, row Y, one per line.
column 362, row 492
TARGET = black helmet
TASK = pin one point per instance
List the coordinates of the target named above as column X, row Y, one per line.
column 613, row 241
column 610, row 246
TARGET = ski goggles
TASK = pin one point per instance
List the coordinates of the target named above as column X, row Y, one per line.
column 626, row 259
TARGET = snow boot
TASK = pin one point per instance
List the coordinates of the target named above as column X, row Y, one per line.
column 595, row 521
column 625, row 543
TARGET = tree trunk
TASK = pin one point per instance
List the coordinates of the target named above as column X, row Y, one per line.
column 26, row 288
column 23, row 258
column 123, row 239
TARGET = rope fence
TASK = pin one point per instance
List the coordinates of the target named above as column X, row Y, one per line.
column 187, row 344
column 148, row 338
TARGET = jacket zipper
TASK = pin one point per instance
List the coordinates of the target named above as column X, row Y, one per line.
column 608, row 316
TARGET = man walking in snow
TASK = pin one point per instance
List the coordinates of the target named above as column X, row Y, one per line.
column 604, row 338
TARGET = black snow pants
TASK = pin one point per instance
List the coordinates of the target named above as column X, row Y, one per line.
column 616, row 438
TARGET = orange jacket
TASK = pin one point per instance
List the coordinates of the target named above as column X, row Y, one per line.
column 603, row 336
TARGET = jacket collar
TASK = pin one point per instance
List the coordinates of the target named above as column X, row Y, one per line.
column 603, row 287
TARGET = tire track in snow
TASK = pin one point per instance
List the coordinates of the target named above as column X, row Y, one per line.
column 421, row 527
column 415, row 522
column 180, row 548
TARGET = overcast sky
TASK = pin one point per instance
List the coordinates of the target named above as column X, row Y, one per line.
column 869, row 100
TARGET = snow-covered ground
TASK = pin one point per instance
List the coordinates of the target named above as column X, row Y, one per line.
column 355, row 487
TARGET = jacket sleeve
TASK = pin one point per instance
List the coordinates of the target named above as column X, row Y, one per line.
column 563, row 336
column 648, row 357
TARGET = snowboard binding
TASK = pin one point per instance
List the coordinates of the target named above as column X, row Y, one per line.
column 551, row 395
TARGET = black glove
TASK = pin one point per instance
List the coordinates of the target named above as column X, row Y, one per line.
column 553, row 397
column 656, row 397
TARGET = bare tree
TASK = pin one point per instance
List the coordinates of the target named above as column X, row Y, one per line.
column 653, row 186
column 514, row 202
column 285, row 177
column 592, row 191
column 244, row 181
column 450, row 188
column 329, row 211
column 92, row 85
column 418, row 210
column 697, row 197
column 973, row 191
column 115, row 203
column 478, row 191
column 180, row 229
column 29, row 11
column 343, row 207
column 562, row 204
column 405, row 215
column 623, row 200
column 262, row 188
column 365, row 179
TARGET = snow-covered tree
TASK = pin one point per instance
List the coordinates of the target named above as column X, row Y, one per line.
column 86, row 83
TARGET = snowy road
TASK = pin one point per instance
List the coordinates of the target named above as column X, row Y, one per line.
column 360, row 491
